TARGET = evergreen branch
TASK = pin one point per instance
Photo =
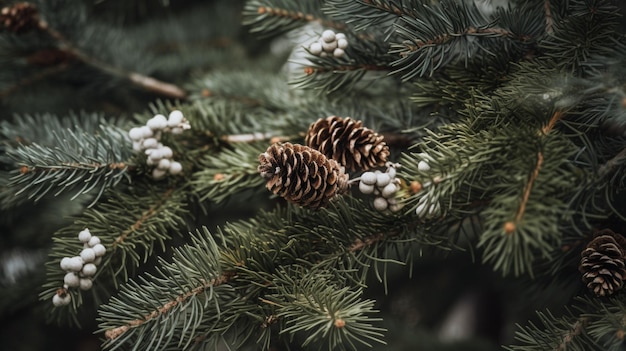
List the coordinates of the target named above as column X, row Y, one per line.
column 535, row 173
column 148, row 83
column 77, row 161
column 273, row 17
column 593, row 24
column 192, row 285
column 228, row 172
column 112, row 334
column 131, row 224
column 610, row 165
column 311, row 304
column 367, row 13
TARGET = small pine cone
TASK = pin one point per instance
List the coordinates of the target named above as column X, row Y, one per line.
column 602, row 263
column 348, row 142
column 19, row 17
column 302, row 175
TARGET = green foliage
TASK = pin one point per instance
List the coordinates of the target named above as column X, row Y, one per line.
column 507, row 122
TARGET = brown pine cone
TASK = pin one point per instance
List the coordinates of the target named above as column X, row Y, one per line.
column 19, row 17
column 602, row 263
column 346, row 141
column 302, row 175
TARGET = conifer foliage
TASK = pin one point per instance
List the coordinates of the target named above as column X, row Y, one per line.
column 278, row 175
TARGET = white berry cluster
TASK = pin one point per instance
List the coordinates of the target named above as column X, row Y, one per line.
column 427, row 206
column 384, row 185
column 147, row 139
column 329, row 44
column 80, row 269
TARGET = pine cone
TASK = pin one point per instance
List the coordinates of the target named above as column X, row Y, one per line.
column 602, row 263
column 302, row 175
column 19, row 17
column 348, row 142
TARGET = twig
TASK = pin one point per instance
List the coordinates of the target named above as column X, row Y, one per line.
column 149, row 213
column 549, row 19
column 610, row 164
column 531, row 180
column 576, row 330
column 116, row 332
column 147, row 83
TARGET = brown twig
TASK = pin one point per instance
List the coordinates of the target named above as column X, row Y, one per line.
column 145, row 82
column 138, row 223
column 116, row 332
column 533, row 177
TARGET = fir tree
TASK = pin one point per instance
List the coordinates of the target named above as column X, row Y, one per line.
column 317, row 174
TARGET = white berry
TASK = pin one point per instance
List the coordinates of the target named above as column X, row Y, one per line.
column 155, row 155
column 176, row 130
column 99, row 250
column 329, row 47
column 85, row 283
column 84, row 235
column 366, row 188
column 150, row 143
column 338, row 52
column 137, row 146
column 75, row 264
column 71, row 279
column 89, row 270
column 368, row 178
column 59, row 301
column 395, row 207
column 342, row 43
column 389, row 190
column 93, row 241
column 380, row 203
column 382, row 179
column 157, row 122
column 158, row 173
column 88, row 255
column 340, row 36
column 175, row 118
column 135, row 134
column 65, row 263
column 175, row 168
column 164, row 164
column 423, row 166
column 392, row 172
column 146, row 132
column 166, row 152
column 328, row 36
column 315, row 48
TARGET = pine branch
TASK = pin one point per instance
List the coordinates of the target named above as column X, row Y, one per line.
column 132, row 225
column 148, row 83
column 228, row 172
column 74, row 160
column 274, row 17
column 592, row 23
column 447, row 33
column 368, row 13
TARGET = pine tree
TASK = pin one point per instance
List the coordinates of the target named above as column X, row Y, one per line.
column 316, row 174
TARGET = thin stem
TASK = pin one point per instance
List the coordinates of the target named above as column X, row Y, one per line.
column 115, row 333
column 138, row 223
column 533, row 177
column 145, row 82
